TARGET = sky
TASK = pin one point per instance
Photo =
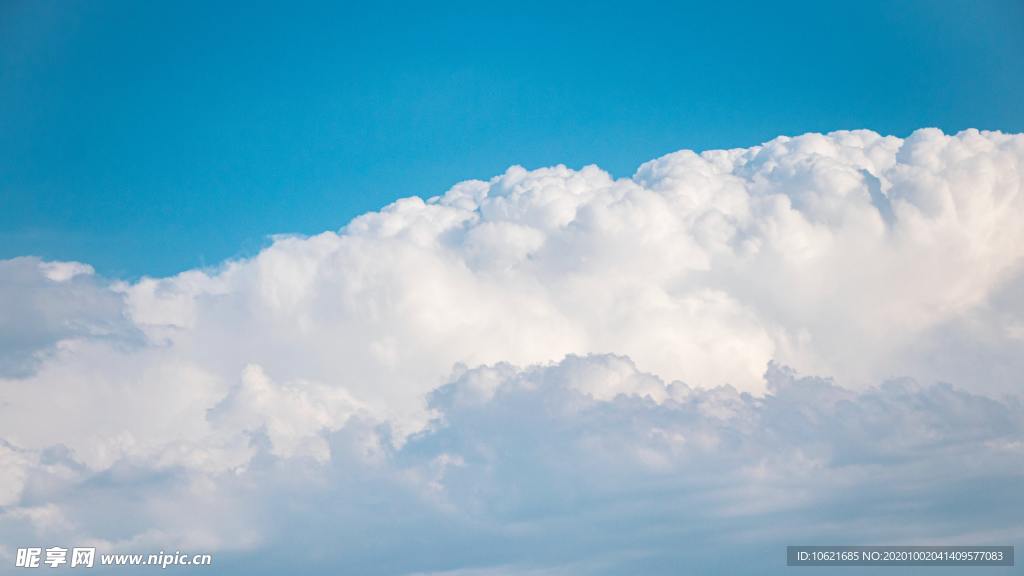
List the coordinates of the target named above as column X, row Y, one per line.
column 510, row 290
column 149, row 138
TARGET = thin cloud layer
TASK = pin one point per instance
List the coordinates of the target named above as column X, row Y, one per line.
column 368, row 376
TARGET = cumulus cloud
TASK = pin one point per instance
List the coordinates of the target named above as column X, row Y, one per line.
column 46, row 303
column 586, row 466
column 508, row 361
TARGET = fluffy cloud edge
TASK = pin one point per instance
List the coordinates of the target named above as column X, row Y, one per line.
column 321, row 368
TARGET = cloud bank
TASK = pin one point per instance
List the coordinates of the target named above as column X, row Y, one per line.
column 553, row 371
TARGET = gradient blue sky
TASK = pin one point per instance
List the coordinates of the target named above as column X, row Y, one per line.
column 147, row 138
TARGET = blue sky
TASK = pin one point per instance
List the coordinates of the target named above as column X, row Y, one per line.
column 148, row 138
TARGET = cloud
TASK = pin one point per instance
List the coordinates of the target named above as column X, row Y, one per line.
column 497, row 373
column 45, row 303
column 585, row 466
column 291, row 416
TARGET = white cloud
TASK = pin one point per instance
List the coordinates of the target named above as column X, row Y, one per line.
column 45, row 303
column 546, row 469
column 292, row 416
column 306, row 370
